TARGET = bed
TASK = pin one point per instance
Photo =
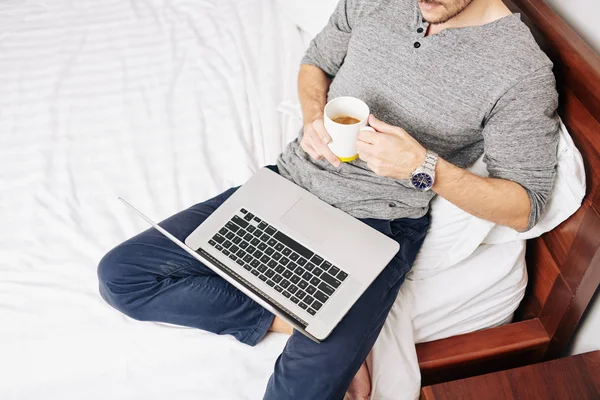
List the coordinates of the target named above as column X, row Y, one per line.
column 167, row 103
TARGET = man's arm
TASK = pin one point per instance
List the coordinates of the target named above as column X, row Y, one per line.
column 520, row 142
column 313, row 85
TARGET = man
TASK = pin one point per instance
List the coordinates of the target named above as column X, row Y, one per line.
column 452, row 77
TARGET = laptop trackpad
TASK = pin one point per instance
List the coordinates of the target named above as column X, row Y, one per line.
column 310, row 219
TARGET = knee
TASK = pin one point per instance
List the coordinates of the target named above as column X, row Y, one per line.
column 113, row 282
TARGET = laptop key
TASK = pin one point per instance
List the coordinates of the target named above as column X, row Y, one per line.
column 262, row 267
column 272, row 263
column 232, row 227
column 277, row 278
column 251, row 229
column 300, row 294
column 257, row 254
column 302, row 284
column 255, row 242
column 269, row 230
column 311, row 311
column 309, row 266
column 264, row 259
column 262, row 246
column 295, row 279
column 269, row 251
column 322, row 297
column 230, row 235
column 293, row 289
column 237, row 240
column 255, row 272
column 270, row 273
column 307, row 275
column 270, row 282
column 248, row 258
column 315, row 281
column 257, row 233
column 248, row 237
column 257, row 219
column 264, row 237
column 241, row 262
column 278, row 288
column 223, row 231
column 227, row 244
column 279, row 247
column 244, row 211
column 299, row 271
column 272, row 242
column 326, row 265
column 287, row 294
column 239, row 221
column 285, row 284
column 233, row 257
column 334, row 270
column 255, row 263
column 241, row 253
column 318, row 271
column 295, row 299
column 316, row 260
column 251, row 249
column 326, row 288
column 303, row 305
column 277, row 256
column 262, row 226
column 212, row 242
column 342, row 275
column 263, row 278
column 234, row 249
column 279, row 268
column 294, row 256
column 226, row 252
column 286, row 252
column 310, row 290
column 284, row 261
column 248, row 217
column 316, row 305
column 287, row 273
column 219, row 247
column 244, row 244
column 302, row 261
column 331, row 280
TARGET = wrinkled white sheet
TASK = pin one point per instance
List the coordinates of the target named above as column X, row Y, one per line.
column 166, row 103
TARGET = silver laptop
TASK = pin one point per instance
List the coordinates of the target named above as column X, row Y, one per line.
column 300, row 258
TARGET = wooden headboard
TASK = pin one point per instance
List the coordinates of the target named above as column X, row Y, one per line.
column 563, row 265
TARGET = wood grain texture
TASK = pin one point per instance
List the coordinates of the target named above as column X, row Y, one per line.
column 576, row 377
column 478, row 352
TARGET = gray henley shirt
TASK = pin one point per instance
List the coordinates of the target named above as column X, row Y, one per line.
column 461, row 93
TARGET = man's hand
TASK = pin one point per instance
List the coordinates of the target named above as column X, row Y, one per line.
column 391, row 151
column 315, row 142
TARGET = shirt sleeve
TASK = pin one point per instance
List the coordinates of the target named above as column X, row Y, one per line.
column 521, row 138
column 328, row 49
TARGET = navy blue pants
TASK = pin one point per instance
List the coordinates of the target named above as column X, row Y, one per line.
column 151, row 279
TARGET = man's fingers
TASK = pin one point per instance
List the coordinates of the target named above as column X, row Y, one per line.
column 381, row 126
column 307, row 147
column 326, row 152
column 319, row 127
column 368, row 136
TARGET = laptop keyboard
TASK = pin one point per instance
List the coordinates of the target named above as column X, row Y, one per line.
column 282, row 263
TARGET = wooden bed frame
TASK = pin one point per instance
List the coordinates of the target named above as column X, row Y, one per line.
column 563, row 265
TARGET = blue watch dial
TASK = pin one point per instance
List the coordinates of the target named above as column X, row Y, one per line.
column 422, row 181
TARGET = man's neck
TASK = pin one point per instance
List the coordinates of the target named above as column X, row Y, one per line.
column 479, row 12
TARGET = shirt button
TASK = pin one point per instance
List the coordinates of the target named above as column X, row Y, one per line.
column 417, row 45
column 420, row 30
column 393, row 205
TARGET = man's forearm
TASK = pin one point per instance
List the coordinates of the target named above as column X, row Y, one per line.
column 313, row 85
column 498, row 200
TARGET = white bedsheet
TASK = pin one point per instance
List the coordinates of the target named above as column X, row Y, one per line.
column 166, row 103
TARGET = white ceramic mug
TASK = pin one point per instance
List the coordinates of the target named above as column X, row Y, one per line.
column 344, row 137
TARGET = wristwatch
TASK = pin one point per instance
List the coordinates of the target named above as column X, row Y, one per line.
column 424, row 177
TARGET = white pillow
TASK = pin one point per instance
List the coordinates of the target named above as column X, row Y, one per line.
column 310, row 16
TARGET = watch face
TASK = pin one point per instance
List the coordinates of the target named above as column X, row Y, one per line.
column 422, row 181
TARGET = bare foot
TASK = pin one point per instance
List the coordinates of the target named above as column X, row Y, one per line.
column 280, row 326
column 360, row 387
